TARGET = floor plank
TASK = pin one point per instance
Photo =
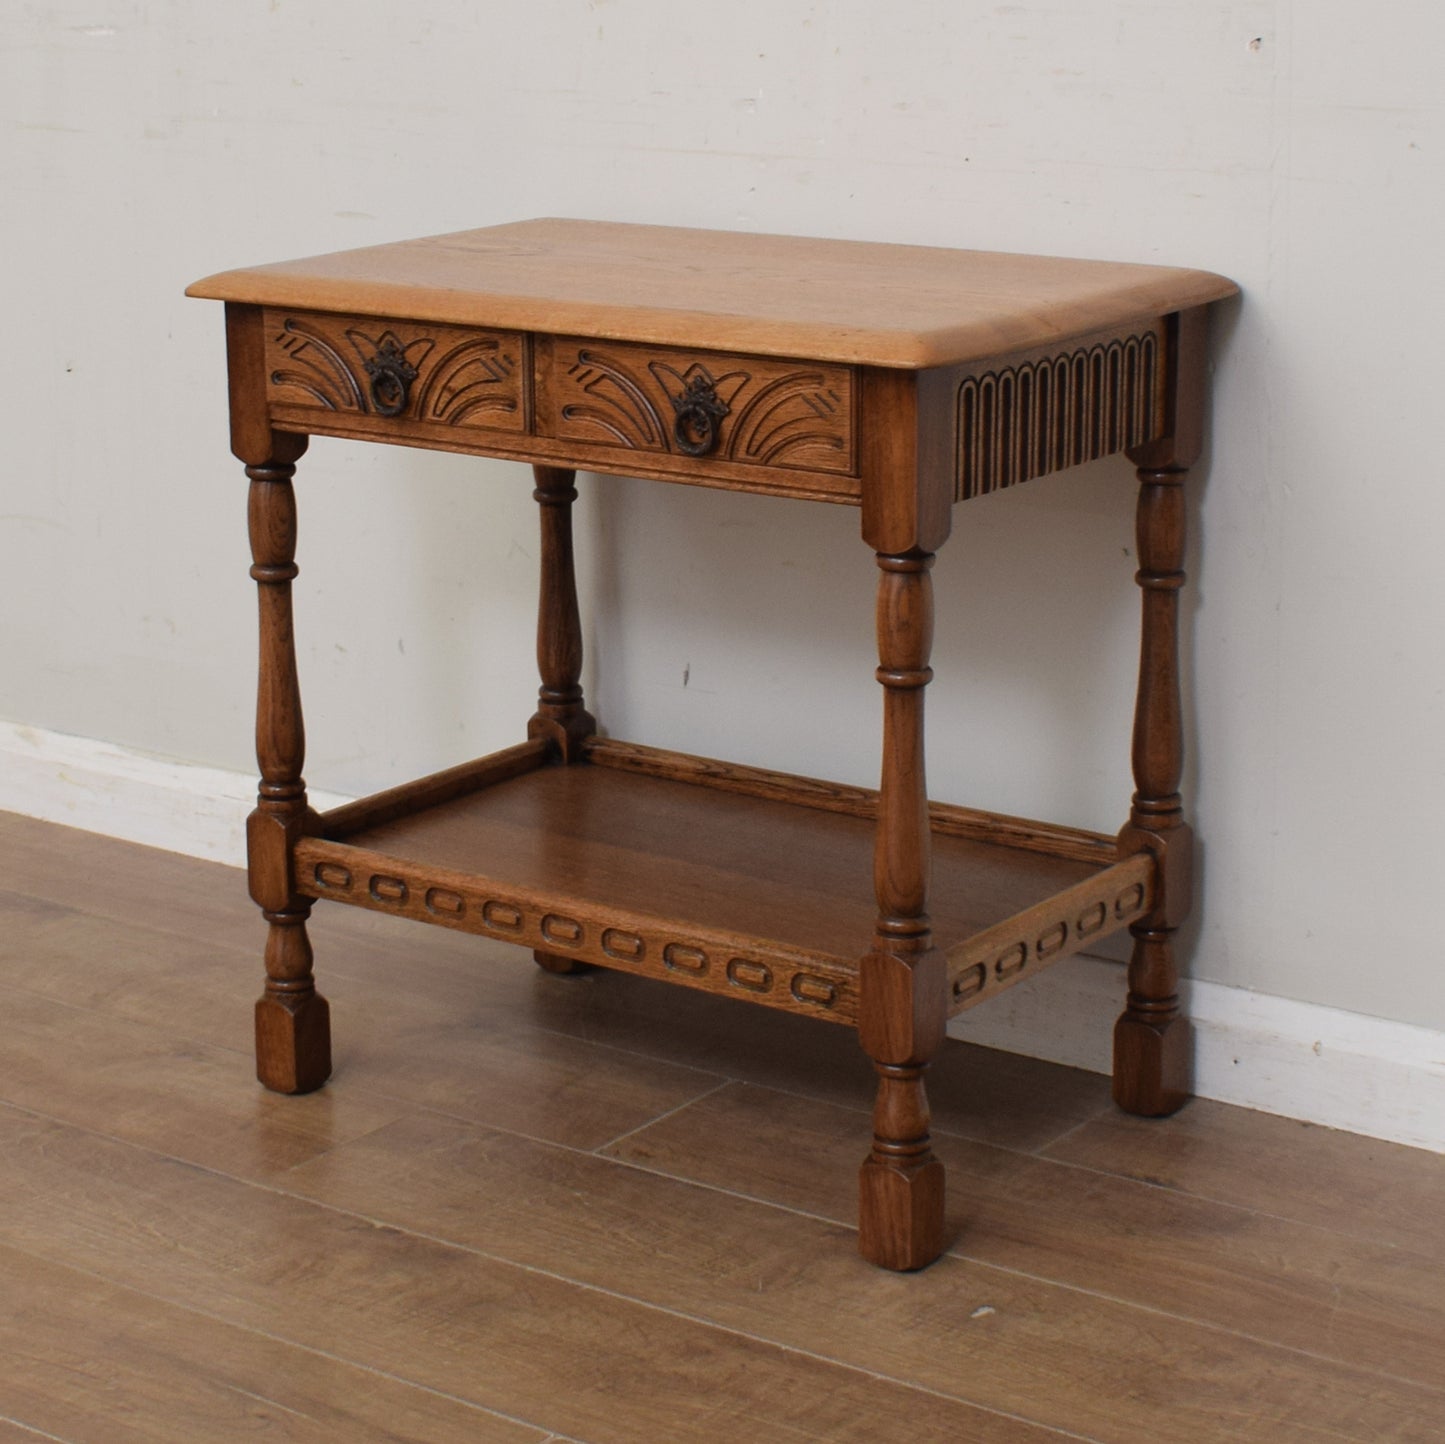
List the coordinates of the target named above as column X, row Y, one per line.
column 1372, row 1190
column 462, row 1050
column 461, row 1061
column 527, row 1343
column 13, row 1432
column 1301, row 1287
column 1113, row 1371
column 974, row 1092
column 134, row 971
column 84, row 1360
column 190, row 1099
column 63, row 865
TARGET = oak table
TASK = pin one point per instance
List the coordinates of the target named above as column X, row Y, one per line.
column 898, row 379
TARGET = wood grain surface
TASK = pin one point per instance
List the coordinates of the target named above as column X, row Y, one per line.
column 1049, row 838
column 448, row 378
column 713, row 858
column 712, row 1252
column 793, row 414
column 609, row 1210
column 855, row 302
column 83, row 1358
column 1392, row 1196
column 1233, row 1268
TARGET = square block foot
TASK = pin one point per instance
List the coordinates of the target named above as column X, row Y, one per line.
column 293, row 1044
column 900, row 1214
column 1153, row 1065
column 563, row 967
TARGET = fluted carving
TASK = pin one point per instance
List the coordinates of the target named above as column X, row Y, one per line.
column 1034, row 417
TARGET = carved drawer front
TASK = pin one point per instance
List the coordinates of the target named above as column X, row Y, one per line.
column 743, row 410
column 398, row 375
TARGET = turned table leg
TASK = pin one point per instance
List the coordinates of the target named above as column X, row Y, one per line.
column 901, row 981
column 560, row 717
column 1153, row 1050
column 293, row 1031
column 1152, row 1053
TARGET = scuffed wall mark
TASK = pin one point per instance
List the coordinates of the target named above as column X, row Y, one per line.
column 95, row 32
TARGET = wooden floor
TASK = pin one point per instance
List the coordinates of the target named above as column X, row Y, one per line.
column 541, row 1208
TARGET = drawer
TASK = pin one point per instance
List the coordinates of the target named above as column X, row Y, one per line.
column 387, row 377
column 726, row 411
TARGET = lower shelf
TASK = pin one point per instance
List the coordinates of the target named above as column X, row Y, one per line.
column 671, row 867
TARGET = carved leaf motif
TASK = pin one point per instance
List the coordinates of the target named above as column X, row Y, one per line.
column 758, row 417
column 317, row 368
column 367, row 347
column 725, row 387
column 617, row 403
column 390, row 366
column 699, row 403
column 469, row 378
column 798, row 410
column 446, row 376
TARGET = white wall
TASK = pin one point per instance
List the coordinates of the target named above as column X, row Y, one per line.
column 1297, row 148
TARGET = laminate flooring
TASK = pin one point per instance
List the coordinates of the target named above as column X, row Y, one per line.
column 538, row 1208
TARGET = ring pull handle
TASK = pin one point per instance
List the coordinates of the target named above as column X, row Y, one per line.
column 699, row 409
column 391, row 377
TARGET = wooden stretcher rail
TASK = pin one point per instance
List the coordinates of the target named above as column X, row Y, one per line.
column 1050, row 931
column 424, row 792
column 546, row 451
column 732, row 965
column 1048, row 838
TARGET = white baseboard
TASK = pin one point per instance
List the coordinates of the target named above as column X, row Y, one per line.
column 1300, row 1060
column 98, row 786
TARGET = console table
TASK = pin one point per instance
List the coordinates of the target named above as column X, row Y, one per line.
column 898, row 379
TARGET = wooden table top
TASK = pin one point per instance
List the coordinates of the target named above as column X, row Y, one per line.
column 863, row 303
